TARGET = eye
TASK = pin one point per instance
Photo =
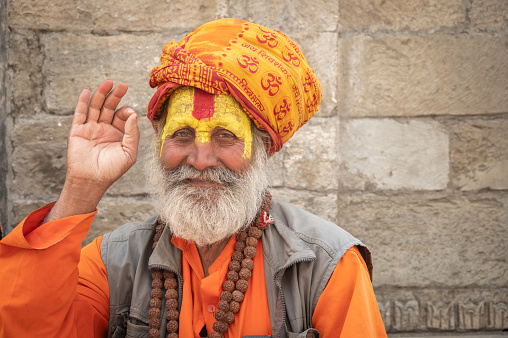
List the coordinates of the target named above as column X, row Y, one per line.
column 182, row 134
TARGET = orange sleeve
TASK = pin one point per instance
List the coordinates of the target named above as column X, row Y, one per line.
column 43, row 293
column 347, row 307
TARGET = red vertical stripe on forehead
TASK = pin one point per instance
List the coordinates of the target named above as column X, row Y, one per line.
column 203, row 105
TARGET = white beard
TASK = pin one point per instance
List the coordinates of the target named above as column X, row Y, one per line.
column 207, row 215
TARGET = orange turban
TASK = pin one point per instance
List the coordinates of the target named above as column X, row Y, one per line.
column 262, row 68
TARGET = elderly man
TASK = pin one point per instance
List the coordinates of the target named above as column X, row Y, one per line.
column 221, row 259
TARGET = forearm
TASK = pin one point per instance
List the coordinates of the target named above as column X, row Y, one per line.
column 39, row 269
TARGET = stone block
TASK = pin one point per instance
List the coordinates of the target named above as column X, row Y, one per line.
column 410, row 75
column 113, row 212
column 121, row 15
column 320, row 204
column 275, row 169
column 311, row 159
column 321, row 52
column 75, row 61
column 397, row 15
column 388, row 154
column 39, row 155
column 479, row 154
column 24, row 73
column 431, row 240
column 288, row 15
column 489, row 14
column 443, row 311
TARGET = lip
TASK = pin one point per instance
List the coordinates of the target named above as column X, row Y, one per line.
column 201, row 183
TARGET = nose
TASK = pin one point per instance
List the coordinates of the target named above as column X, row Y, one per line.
column 202, row 155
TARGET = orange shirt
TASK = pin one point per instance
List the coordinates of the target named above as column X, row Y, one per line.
column 49, row 288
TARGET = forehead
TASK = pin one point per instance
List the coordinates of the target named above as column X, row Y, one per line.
column 200, row 105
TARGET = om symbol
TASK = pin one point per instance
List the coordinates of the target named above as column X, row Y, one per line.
column 267, row 37
column 312, row 101
column 287, row 128
column 289, row 56
column 271, row 82
column 282, row 108
column 307, row 82
column 250, row 63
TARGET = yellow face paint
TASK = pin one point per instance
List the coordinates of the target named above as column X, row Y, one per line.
column 203, row 112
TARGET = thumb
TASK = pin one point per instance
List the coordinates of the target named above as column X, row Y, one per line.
column 130, row 139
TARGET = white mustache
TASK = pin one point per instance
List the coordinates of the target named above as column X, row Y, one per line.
column 219, row 175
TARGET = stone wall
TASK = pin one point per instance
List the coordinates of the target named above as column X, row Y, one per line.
column 409, row 151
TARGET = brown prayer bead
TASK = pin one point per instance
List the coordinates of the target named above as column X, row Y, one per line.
column 237, row 296
column 223, row 306
column 216, row 334
column 244, row 274
column 242, row 285
column 153, row 333
column 228, row 286
column 255, row 232
column 154, row 323
column 171, row 294
column 155, row 302
column 172, row 326
column 169, row 274
column 235, row 266
column 220, row 315
column 226, row 295
column 235, row 306
column 156, row 293
column 220, row 326
column 172, row 315
column 170, row 283
column 157, row 283
column 232, row 276
column 251, row 241
column 237, row 256
column 241, row 236
column 230, row 317
column 171, row 304
column 250, row 252
column 157, row 275
column 239, row 246
column 154, row 313
column 172, row 335
column 248, row 263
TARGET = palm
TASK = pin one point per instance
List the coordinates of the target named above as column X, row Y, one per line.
column 96, row 152
column 103, row 142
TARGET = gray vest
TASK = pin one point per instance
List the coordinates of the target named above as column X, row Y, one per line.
column 300, row 253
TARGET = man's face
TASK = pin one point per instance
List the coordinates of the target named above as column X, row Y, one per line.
column 205, row 131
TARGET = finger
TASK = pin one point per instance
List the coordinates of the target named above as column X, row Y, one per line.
column 94, row 109
column 121, row 117
column 130, row 139
column 81, row 107
column 111, row 102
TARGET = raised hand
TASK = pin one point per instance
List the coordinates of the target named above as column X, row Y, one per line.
column 102, row 146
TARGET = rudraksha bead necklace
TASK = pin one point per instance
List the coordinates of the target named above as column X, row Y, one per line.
column 234, row 287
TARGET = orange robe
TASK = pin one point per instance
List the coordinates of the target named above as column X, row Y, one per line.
column 52, row 288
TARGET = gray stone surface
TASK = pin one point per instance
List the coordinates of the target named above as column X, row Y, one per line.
column 411, row 75
column 288, row 15
column 74, row 61
column 479, row 154
column 388, row 154
column 96, row 15
column 321, row 204
column 310, row 161
column 365, row 15
column 489, row 14
column 25, row 73
column 432, row 240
